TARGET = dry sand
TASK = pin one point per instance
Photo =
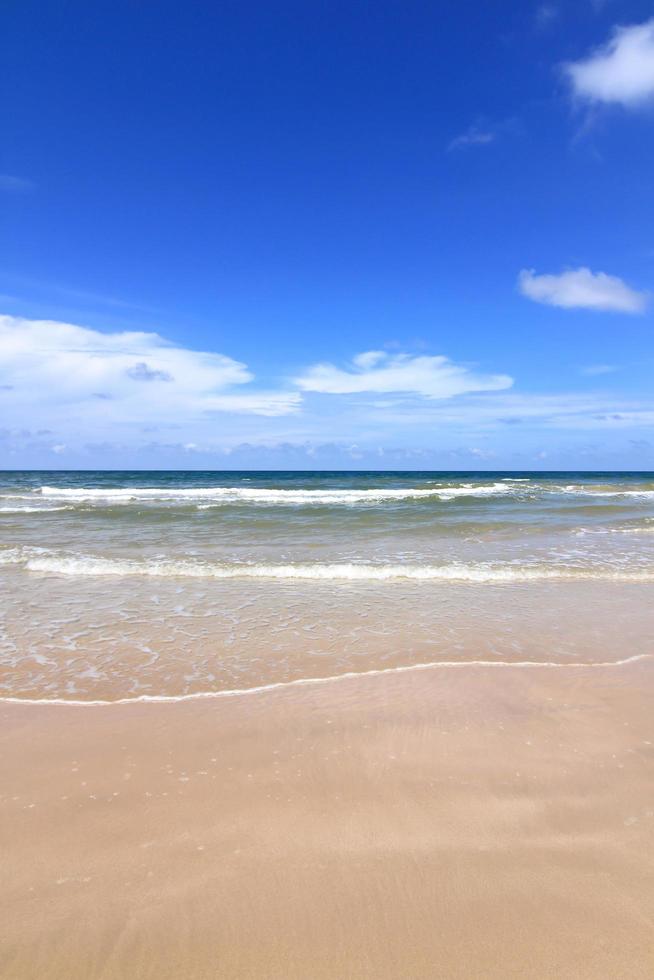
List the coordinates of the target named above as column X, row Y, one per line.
column 466, row 822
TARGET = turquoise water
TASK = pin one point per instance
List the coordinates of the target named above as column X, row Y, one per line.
column 140, row 581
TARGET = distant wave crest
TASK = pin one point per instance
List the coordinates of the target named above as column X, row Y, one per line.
column 267, row 495
column 207, row 497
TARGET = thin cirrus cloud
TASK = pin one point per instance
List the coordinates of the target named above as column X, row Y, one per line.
column 582, row 289
column 431, row 377
column 15, row 185
column 473, row 136
column 546, row 14
column 569, row 410
column 620, row 72
column 73, row 373
column 595, row 370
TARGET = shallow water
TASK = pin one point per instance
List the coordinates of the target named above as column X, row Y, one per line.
column 125, row 584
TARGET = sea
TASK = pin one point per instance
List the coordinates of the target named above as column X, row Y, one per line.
column 151, row 585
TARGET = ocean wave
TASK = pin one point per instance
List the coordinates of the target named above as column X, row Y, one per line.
column 267, row 495
column 27, row 509
column 40, row 560
column 203, row 498
column 643, row 494
column 646, row 529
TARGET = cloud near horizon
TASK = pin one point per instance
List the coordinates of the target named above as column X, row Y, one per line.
column 582, row 289
column 77, row 396
column 431, row 377
column 620, row 72
column 50, row 368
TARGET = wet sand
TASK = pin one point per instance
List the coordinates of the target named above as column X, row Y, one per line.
column 463, row 822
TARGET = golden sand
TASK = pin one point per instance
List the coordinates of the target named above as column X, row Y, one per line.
column 469, row 822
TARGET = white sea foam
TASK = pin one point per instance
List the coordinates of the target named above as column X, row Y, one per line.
column 13, row 556
column 638, row 494
column 40, row 560
column 589, row 491
column 27, row 509
column 206, row 497
column 645, row 530
column 268, row 495
column 334, row 678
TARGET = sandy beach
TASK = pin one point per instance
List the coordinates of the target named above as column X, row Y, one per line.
column 327, row 491
column 458, row 822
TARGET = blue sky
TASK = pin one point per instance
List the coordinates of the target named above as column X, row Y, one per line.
column 413, row 235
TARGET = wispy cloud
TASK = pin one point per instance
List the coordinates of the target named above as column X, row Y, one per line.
column 432, row 377
column 481, row 453
column 67, row 391
column 619, row 72
column 582, row 289
column 594, row 370
column 473, row 136
column 47, row 292
column 546, row 14
column 15, row 185
column 569, row 410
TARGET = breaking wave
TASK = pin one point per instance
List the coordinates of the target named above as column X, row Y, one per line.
column 40, row 560
column 267, row 495
column 206, row 497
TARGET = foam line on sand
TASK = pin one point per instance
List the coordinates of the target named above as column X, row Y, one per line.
column 314, row 681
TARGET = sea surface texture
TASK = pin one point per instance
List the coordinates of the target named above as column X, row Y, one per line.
column 141, row 585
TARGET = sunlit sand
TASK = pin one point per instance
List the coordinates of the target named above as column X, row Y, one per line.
column 484, row 822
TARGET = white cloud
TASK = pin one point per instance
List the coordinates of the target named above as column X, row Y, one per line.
column 60, row 371
column 621, row 71
column 369, row 358
column 268, row 403
column 546, row 14
column 379, row 372
column 516, row 412
column 472, row 137
column 581, row 288
column 594, row 370
column 15, row 185
column 69, row 395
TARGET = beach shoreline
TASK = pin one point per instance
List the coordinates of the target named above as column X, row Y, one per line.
column 438, row 822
